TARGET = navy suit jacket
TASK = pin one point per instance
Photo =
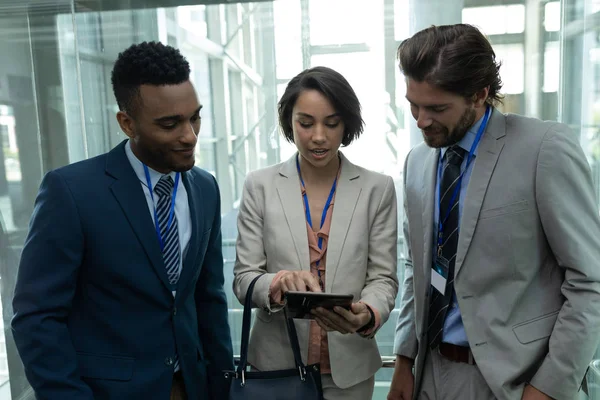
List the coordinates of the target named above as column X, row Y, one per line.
column 94, row 315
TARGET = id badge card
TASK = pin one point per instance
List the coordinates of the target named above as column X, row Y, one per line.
column 439, row 274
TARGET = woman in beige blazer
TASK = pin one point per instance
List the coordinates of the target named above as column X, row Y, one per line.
column 317, row 223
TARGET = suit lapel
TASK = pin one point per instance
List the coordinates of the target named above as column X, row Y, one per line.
column 346, row 198
column 488, row 152
column 196, row 218
column 130, row 196
column 428, row 201
column 290, row 196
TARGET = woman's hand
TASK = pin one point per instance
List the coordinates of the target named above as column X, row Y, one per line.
column 298, row 281
column 342, row 320
column 293, row 281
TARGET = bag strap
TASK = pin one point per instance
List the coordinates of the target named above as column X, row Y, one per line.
column 291, row 329
column 293, row 335
column 246, row 326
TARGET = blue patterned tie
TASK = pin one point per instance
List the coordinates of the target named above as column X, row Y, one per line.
column 170, row 237
column 440, row 302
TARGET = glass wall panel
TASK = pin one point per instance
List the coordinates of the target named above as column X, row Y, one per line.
column 579, row 94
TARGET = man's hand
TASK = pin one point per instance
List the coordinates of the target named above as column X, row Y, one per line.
column 342, row 320
column 403, row 381
column 531, row 393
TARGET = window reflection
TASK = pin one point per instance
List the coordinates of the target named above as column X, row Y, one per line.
column 552, row 16
column 10, row 179
column 512, row 70
column 496, row 20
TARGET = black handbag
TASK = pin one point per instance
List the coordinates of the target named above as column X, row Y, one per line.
column 300, row 383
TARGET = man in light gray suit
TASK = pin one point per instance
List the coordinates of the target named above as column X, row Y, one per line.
column 501, row 296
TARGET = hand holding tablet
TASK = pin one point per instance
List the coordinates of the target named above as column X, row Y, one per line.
column 300, row 304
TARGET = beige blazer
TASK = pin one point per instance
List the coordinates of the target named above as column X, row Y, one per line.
column 528, row 264
column 361, row 260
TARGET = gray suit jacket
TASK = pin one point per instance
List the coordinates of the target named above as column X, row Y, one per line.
column 527, row 274
column 361, row 260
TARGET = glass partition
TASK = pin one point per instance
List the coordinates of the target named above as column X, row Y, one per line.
column 579, row 96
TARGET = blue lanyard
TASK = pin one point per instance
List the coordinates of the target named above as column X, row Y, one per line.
column 307, row 207
column 456, row 191
column 171, row 212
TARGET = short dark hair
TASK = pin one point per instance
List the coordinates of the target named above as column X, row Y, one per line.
column 150, row 63
column 456, row 58
column 335, row 88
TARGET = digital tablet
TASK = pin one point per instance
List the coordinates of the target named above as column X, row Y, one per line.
column 299, row 304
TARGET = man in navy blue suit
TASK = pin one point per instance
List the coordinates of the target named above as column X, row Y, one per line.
column 119, row 293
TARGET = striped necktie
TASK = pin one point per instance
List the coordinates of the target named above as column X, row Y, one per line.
column 170, row 236
column 439, row 302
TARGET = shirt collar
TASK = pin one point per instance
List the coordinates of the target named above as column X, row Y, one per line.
column 138, row 167
column 467, row 141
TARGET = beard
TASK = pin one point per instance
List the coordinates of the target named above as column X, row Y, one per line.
column 160, row 158
column 438, row 136
column 152, row 157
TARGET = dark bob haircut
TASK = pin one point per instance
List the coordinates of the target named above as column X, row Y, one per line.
column 335, row 88
column 147, row 63
column 456, row 58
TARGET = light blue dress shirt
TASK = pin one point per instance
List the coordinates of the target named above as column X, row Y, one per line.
column 182, row 207
column 454, row 330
